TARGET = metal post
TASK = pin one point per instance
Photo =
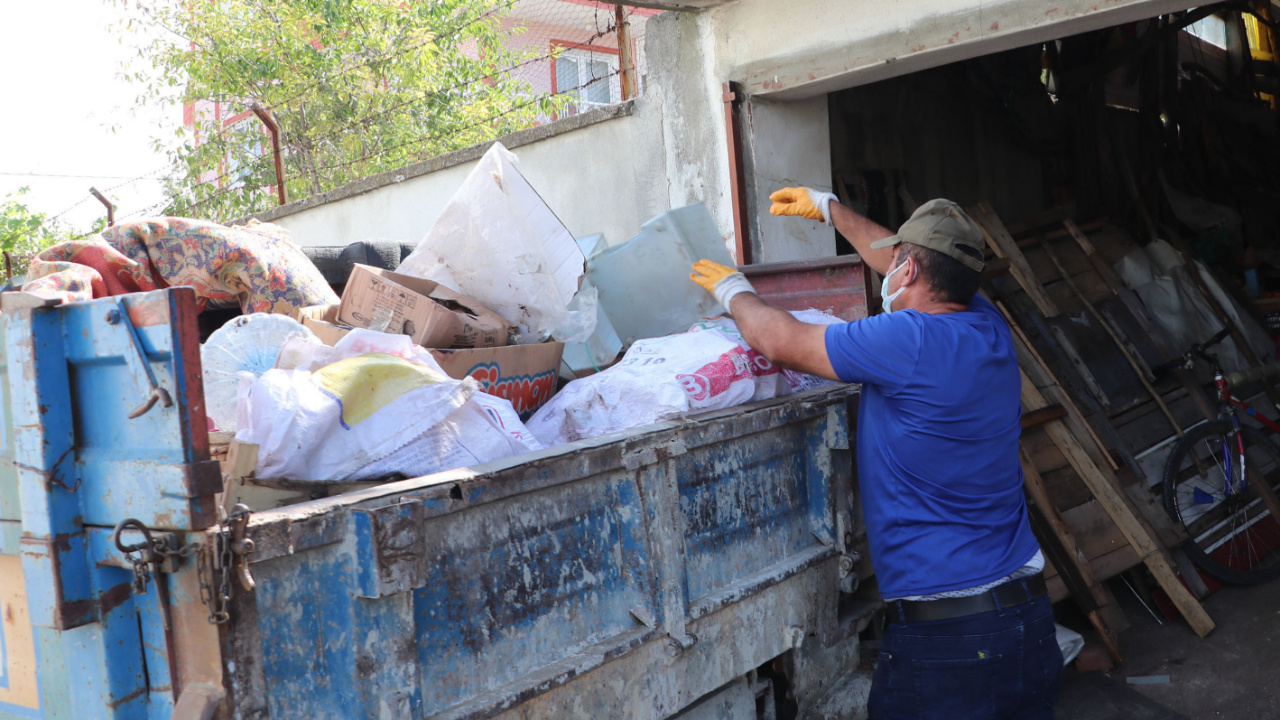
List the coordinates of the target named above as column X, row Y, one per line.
column 111, row 209
column 626, row 61
column 737, row 178
column 274, row 129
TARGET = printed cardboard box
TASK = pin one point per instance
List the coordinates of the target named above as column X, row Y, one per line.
column 524, row 374
column 433, row 315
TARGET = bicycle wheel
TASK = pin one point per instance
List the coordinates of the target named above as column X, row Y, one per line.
column 1232, row 535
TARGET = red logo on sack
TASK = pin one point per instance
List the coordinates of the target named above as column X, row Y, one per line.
column 714, row 378
column 526, row 393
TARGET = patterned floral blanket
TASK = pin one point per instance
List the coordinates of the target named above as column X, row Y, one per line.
column 257, row 266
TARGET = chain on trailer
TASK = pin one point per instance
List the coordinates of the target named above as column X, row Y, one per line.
column 160, row 552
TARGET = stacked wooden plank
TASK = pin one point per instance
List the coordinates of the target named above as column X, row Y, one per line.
column 1091, row 510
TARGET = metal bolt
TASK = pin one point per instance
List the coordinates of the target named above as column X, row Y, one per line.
column 673, row 648
column 113, row 317
column 846, row 565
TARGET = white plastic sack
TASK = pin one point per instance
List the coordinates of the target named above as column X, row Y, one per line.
column 485, row 428
column 474, row 427
column 498, row 242
column 658, row 379
column 1070, row 642
column 336, row 422
column 798, row 381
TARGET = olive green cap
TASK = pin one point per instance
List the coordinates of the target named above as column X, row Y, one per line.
column 941, row 225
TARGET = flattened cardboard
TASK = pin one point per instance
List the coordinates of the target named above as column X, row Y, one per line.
column 432, row 315
column 524, row 374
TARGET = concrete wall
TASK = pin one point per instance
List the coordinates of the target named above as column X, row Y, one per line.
column 611, row 170
column 593, row 170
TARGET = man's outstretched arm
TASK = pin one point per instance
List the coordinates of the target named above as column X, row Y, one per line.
column 781, row 338
column 774, row 333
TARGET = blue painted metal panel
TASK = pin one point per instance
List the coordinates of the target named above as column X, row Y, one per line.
column 80, row 465
column 460, row 599
column 746, row 506
column 10, row 507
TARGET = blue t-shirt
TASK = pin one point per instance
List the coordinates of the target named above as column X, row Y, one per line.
column 938, row 430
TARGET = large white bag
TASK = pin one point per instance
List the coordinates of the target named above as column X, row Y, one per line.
column 798, row 381
column 372, row 406
column 498, row 242
column 658, row 378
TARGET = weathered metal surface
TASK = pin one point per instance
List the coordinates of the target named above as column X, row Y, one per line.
column 75, row 465
column 625, row 576
column 837, row 285
column 684, row 551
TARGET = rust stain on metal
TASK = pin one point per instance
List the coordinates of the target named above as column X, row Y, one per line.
column 135, row 694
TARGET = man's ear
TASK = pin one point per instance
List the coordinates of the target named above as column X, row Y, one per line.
column 912, row 273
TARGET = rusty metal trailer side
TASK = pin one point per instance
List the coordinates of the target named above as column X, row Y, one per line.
column 622, row 577
column 639, row 575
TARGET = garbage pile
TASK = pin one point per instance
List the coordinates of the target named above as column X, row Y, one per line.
column 441, row 363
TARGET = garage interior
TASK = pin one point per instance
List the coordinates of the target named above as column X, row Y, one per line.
column 1129, row 178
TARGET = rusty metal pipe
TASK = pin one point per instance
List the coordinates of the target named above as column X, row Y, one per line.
column 111, row 209
column 274, row 129
column 737, row 181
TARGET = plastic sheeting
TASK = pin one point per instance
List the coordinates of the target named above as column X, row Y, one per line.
column 1157, row 274
column 644, row 283
column 249, row 343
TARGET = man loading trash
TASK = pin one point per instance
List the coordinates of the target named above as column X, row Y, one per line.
column 971, row 631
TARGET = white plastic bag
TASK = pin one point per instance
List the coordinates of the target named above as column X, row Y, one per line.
column 1070, row 642
column 658, row 379
column 498, row 242
column 485, row 428
column 335, row 423
column 299, row 420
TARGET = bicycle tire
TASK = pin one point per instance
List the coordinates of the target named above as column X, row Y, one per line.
column 1231, row 536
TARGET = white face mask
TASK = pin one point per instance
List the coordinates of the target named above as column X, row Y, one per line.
column 886, row 299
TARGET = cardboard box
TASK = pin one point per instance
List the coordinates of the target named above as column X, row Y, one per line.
column 323, row 321
column 432, row 315
column 524, row 374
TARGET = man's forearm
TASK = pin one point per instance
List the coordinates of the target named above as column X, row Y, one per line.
column 785, row 341
column 861, row 232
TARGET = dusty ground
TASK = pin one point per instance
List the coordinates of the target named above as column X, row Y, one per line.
column 1233, row 673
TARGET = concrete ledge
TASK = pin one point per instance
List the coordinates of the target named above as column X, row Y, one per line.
column 833, row 47
column 447, row 160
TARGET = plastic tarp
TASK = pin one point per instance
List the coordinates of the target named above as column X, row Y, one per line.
column 644, row 283
column 1157, row 274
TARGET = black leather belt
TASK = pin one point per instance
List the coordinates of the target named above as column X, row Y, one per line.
column 1014, row 592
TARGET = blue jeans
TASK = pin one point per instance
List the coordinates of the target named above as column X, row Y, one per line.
column 998, row 665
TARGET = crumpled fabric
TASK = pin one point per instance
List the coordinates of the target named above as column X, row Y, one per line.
column 257, row 267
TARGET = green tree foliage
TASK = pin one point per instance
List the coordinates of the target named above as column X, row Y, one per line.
column 24, row 232
column 357, row 86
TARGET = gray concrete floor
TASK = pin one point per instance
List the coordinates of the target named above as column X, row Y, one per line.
column 1232, row 673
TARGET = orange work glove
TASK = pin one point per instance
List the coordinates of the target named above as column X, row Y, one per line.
column 722, row 281
column 802, row 201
